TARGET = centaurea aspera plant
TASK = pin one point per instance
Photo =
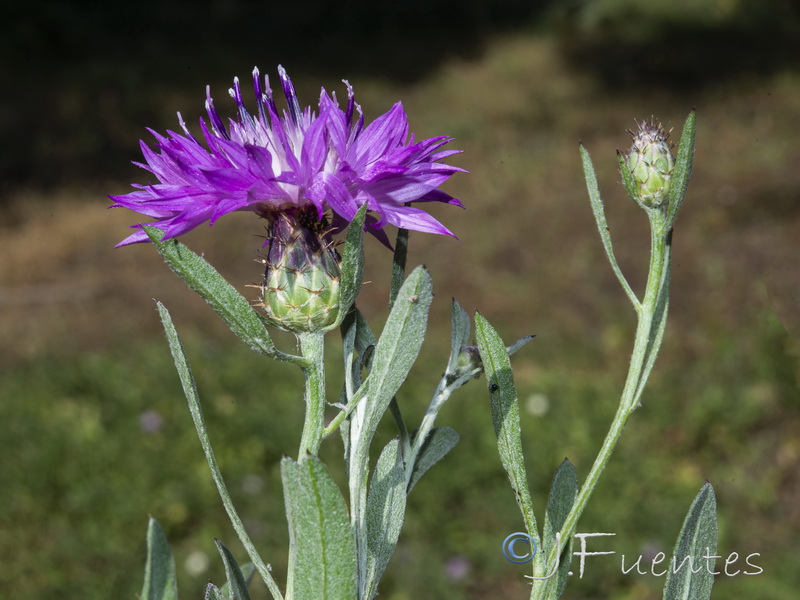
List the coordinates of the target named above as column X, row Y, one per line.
column 311, row 175
column 316, row 175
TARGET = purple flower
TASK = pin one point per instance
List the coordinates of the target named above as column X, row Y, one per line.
column 267, row 163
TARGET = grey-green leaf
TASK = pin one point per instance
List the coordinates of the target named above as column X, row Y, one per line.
column 322, row 550
column 236, row 587
column 214, row 593
column 352, row 264
column 689, row 576
column 229, row 304
column 459, row 336
column 602, row 225
column 386, row 505
column 438, row 443
column 627, row 177
column 683, row 168
column 160, row 582
column 398, row 264
column 505, row 417
column 563, row 492
column 248, row 571
column 398, row 345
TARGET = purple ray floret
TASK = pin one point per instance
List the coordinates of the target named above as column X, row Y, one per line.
column 270, row 162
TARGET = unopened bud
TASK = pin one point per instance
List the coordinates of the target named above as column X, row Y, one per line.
column 301, row 281
column 651, row 164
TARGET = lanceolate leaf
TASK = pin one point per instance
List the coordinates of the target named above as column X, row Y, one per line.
column 563, row 492
column 398, row 264
column 322, row 552
column 190, row 390
column 236, row 588
column 683, row 168
column 352, row 263
column 627, row 177
column 689, row 575
column 459, row 336
column 438, row 443
column 248, row 571
column 160, row 582
column 398, row 345
column 229, row 304
column 602, row 225
column 386, row 506
column 505, row 416
column 214, row 593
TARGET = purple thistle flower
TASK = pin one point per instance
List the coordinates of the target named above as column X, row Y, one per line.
column 267, row 163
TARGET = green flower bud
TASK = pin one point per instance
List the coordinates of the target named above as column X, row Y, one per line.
column 301, row 281
column 651, row 164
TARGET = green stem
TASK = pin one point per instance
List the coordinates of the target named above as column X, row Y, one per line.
column 646, row 346
column 312, row 346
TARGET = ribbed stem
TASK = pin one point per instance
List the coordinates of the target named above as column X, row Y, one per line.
column 312, row 347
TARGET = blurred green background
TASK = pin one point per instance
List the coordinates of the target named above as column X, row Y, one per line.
column 94, row 433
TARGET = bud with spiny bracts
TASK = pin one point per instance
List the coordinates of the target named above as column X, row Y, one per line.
column 301, row 281
column 651, row 164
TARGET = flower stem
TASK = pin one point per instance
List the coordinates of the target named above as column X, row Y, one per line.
column 312, row 346
column 646, row 345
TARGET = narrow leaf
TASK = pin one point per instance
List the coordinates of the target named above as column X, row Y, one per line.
column 627, row 177
column 602, row 226
column 459, row 336
column 248, row 571
column 399, row 345
column 519, row 344
column 505, row 417
column 193, row 398
column 683, row 168
column 386, row 506
column 214, row 593
column 236, row 587
column 229, row 304
column 563, row 492
column 398, row 264
column 352, row 264
column 689, row 576
column 160, row 582
column 438, row 443
column 322, row 552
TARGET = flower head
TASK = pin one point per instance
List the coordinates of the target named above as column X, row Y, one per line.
column 269, row 162
column 651, row 163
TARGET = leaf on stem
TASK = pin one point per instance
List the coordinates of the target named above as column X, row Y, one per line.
column 214, row 593
column 193, row 398
column 689, row 576
column 438, row 443
column 398, row 346
column 386, row 507
column 248, row 571
column 398, row 264
column 229, row 304
column 322, row 550
column 563, row 492
column 459, row 336
column 683, row 168
column 352, row 264
column 627, row 178
column 602, row 225
column 505, row 417
column 160, row 582
column 236, row 587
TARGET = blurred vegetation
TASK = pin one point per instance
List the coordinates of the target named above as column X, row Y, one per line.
column 94, row 433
